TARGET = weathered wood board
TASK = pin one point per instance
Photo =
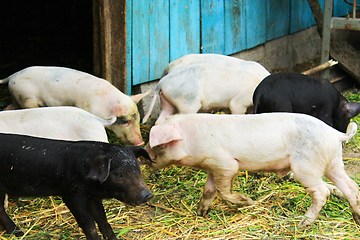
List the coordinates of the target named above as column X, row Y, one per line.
column 164, row 30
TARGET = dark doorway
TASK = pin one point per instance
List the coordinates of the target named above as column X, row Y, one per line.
column 46, row 33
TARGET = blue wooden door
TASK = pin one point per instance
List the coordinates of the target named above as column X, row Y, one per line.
column 160, row 31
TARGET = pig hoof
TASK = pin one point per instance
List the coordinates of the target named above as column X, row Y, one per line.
column 245, row 201
column 305, row 222
column 356, row 218
column 203, row 211
column 17, row 232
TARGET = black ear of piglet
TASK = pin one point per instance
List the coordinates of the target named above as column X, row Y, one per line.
column 100, row 168
column 141, row 152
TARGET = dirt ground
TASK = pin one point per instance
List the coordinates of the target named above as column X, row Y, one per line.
column 352, row 163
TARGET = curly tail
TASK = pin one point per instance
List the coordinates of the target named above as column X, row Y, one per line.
column 5, row 80
column 152, row 104
column 350, row 132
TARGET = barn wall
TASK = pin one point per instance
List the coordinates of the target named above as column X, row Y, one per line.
column 164, row 30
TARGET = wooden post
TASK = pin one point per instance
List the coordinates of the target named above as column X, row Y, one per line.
column 318, row 15
column 110, row 41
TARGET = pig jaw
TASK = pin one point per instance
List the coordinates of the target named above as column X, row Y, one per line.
column 166, row 155
column 135, row 195
column 135, row 198
column 126, row 184
column 127, row 133
column 127, row 125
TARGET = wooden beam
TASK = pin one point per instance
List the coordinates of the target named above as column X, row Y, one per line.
column 110, row 41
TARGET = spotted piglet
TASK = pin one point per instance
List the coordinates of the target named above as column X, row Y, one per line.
column 223, row 144
column 207, row 82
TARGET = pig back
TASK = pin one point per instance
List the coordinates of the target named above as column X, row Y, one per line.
column 294, row 92
column 217, row 60
column 256, row 137
column 31, row 166
column 213, row 85
column 66, row 123
column 59, row 86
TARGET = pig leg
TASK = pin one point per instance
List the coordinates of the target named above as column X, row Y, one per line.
column 347, row 186
column 10, row 107
column 311, row 179
column 33, row 103
column 79, row 207
column 224, row 176
column 319, row 194
column 98, row 212
column 5, row 221
column 333, row 190
column 167, row 109
column 13, row 105
column 208, row 196
column 223, row 185
column 240, row 103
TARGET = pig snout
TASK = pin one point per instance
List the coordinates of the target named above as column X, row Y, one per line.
column 140, row 143
column 128, row 134
column 145, row 196
column 136, row 198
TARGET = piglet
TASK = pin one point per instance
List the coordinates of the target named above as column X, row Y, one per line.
column 65, row 123
column 218, row 60
column 57, row 86
column 223, row 144
column 207, row 86
column 82, row 173
column 298, row 93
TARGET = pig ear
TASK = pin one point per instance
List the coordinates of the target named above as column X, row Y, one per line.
column 165, row 133
column 138, row 97
column 140, row 152
column 100, row 169
column 351, row 109
column 119, row 110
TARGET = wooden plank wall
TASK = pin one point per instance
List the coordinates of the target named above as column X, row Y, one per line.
column 164, row 30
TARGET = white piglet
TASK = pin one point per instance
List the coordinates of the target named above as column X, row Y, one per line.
column 207, row 87
column 218, row 60
column 57, row 86
column 222, row 145
column 64, row 123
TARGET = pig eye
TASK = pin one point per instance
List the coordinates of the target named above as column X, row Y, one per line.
column 126, row 123
column 117, row 175
column 122, row 121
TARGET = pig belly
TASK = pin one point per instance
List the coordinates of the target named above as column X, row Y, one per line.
column 30, row 191
column 219, row 98
column 279, row 166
